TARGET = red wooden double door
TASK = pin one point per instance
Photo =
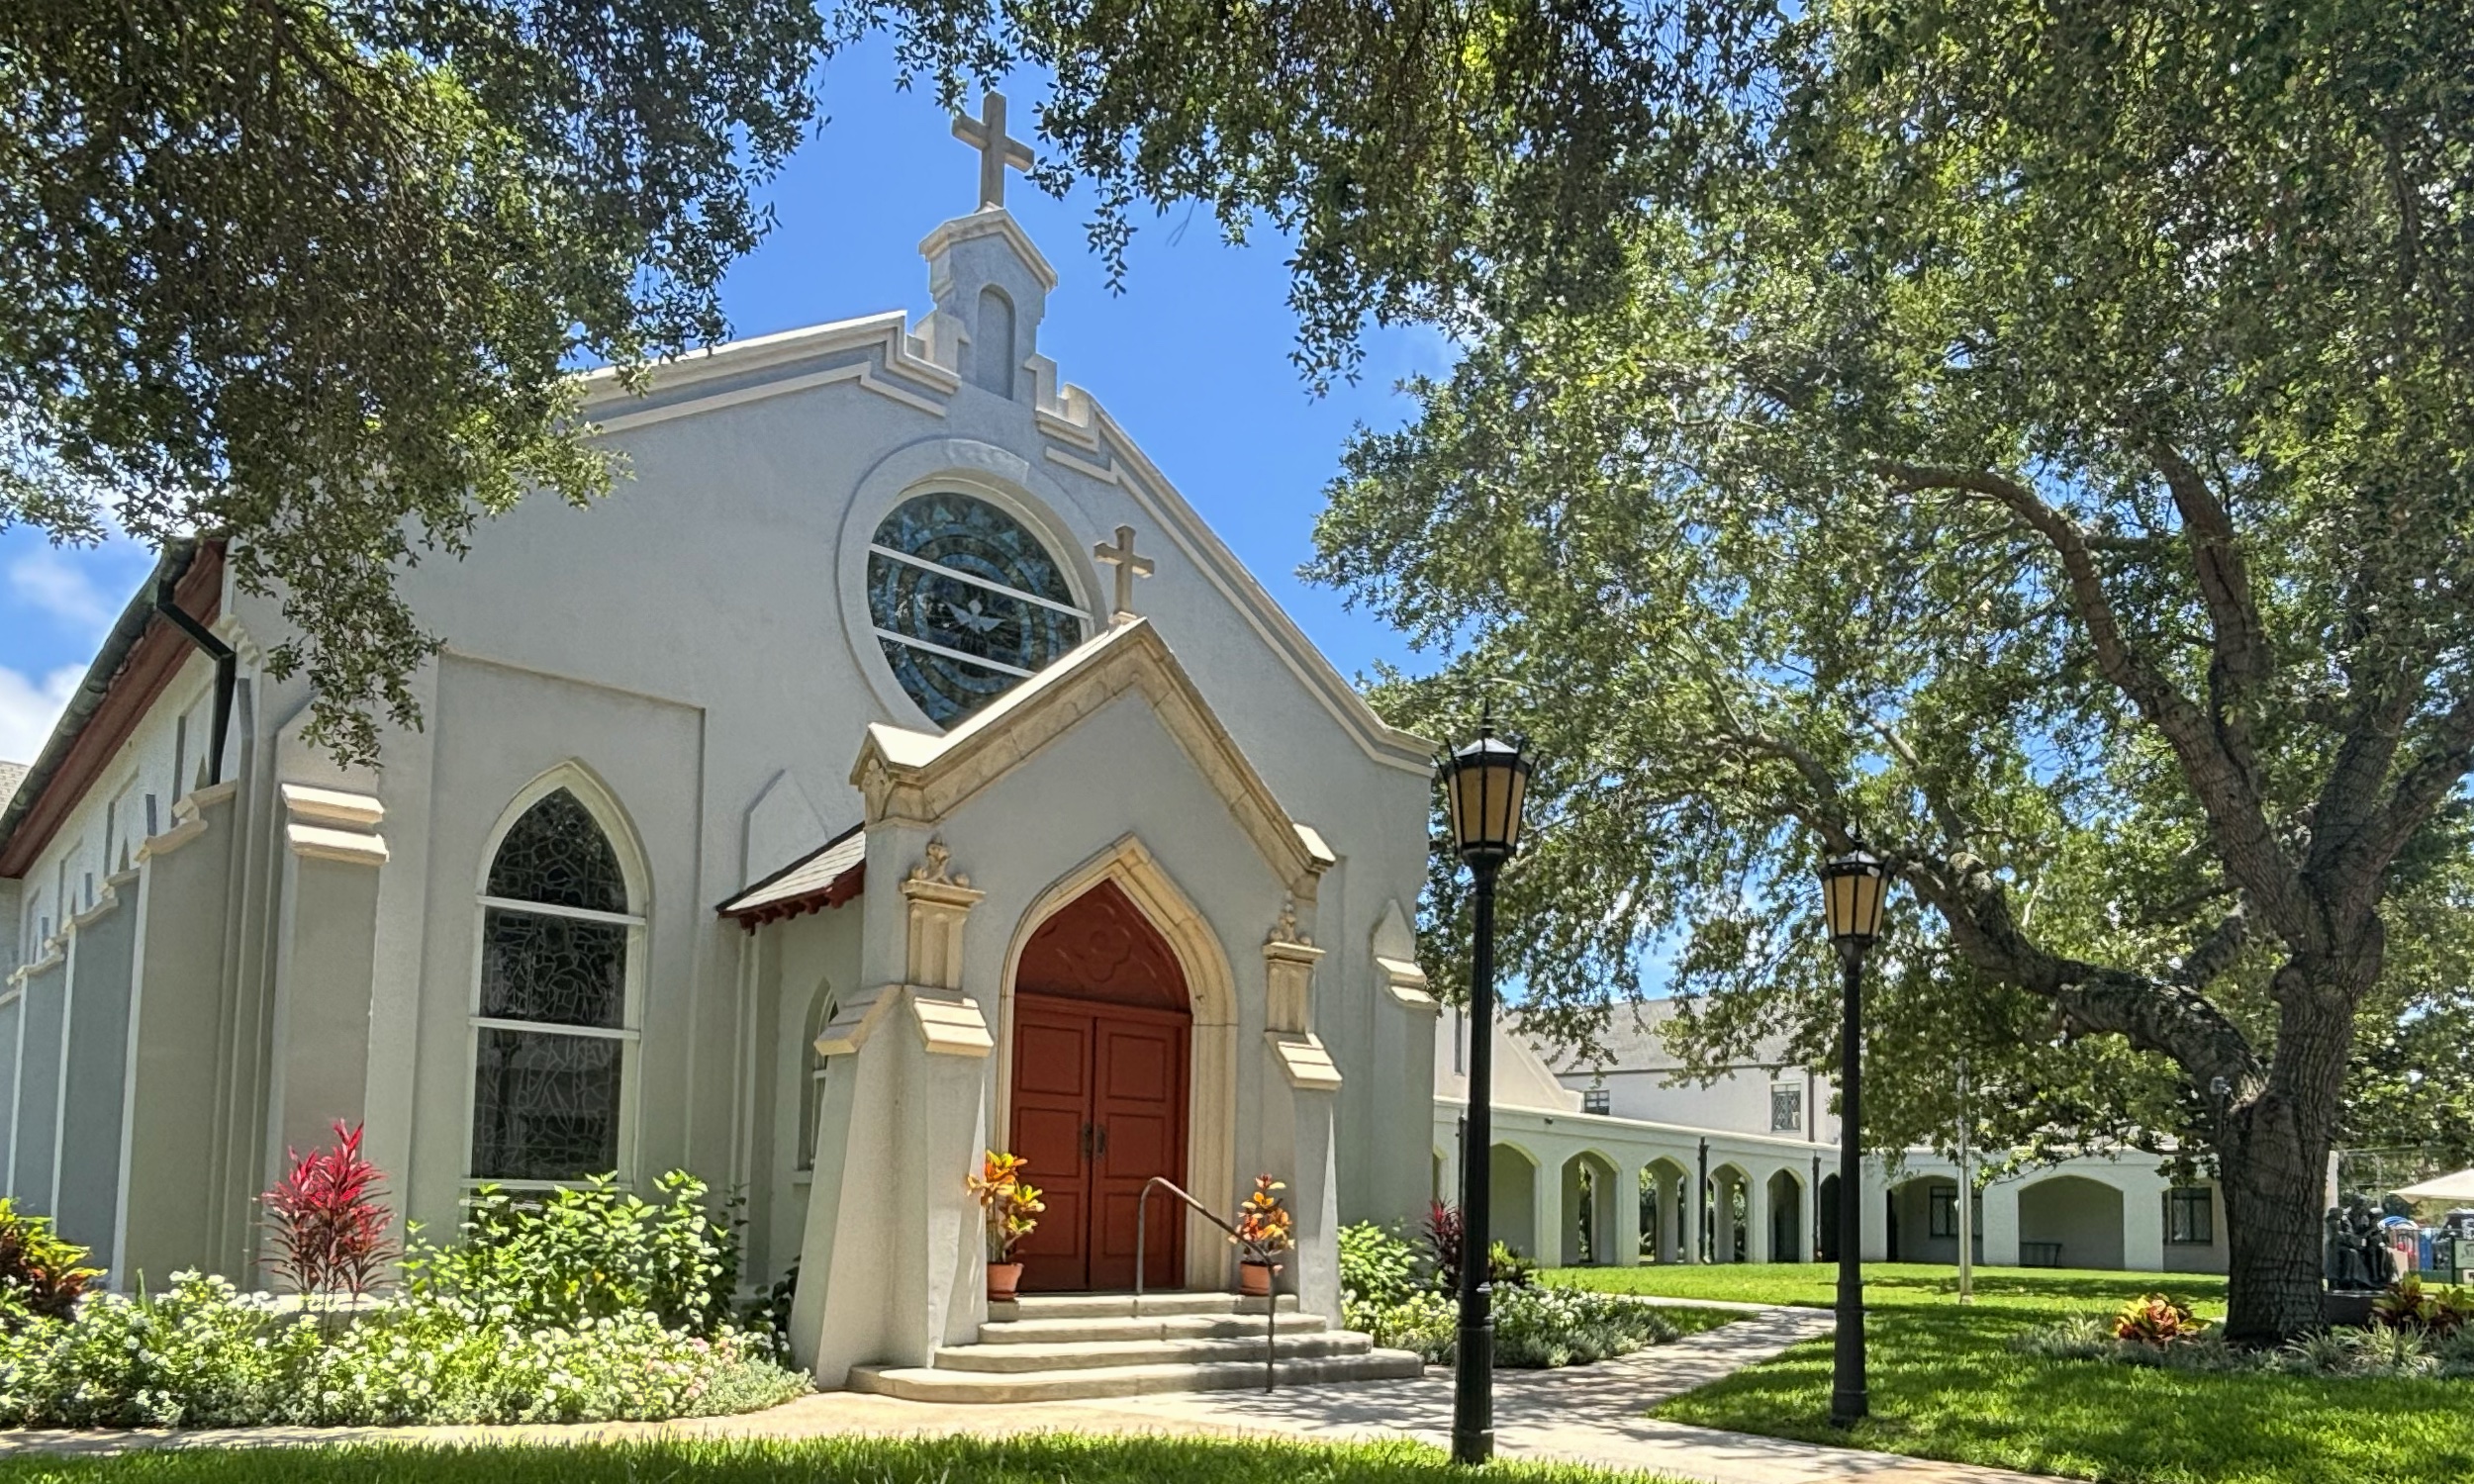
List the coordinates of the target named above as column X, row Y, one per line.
column 1099, row 1109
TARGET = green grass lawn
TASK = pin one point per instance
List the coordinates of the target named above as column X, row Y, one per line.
column 1689, row 1320
column 1044, row 1458
column 1945, row 1384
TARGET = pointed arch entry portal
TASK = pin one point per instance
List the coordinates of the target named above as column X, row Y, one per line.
column 1103, row 1025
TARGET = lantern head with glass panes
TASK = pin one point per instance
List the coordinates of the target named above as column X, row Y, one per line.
column 1853, row 888
column 1483, row 783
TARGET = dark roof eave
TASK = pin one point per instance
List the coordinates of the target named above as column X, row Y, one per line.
column 131, row 627
column 843, row 888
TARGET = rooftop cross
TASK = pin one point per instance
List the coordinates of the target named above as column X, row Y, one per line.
column 986, row 134
column 1128, row 567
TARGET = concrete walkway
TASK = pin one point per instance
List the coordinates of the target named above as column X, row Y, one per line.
column 1586, row 1414
column 1589, row 1413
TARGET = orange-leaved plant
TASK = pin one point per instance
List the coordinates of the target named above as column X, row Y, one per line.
column 2156, row 1319
column 1011, row 1205
column 1264, row 1221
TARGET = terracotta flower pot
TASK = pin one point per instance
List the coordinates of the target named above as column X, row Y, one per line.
column 1254, row 1279
column 1002, row 1280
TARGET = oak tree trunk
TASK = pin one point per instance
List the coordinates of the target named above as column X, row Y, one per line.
column 2273, row 1168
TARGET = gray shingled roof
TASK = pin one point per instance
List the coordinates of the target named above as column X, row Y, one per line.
column 1635, row 1036
column 11, row 775
column 827, row 877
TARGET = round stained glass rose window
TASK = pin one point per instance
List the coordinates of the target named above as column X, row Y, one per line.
column 966, row 602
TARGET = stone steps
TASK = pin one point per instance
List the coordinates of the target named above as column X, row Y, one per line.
column 936, row 1384
column 1096, row 1331
column 1065, row 1346
column 1041, row 1306
column 1311, row 1346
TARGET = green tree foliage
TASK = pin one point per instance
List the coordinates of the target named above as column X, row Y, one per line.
column 2031, row 438
column 313, row 272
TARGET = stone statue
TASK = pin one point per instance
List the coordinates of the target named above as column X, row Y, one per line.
column 2358, row 1262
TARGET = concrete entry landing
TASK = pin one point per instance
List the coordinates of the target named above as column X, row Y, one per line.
column 1048, row 1348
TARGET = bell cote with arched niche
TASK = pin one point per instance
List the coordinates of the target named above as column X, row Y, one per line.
column 990, row 287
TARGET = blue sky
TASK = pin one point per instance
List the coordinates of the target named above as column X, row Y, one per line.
column 1193, row 358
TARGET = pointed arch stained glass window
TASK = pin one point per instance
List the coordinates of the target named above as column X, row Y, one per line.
column 552, row 1030
column 966, row 602
column 558, row 854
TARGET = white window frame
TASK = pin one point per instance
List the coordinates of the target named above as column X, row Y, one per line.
column 2182, row 1196
column 629, row 1032
column 1795, row 1089
column 821, row 1012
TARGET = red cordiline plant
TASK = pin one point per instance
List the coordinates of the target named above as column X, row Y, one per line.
column 1443, row 1241
column 328, row 1218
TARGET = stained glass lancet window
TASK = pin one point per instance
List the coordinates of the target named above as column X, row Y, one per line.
column 966, row 602
column 552, row 1032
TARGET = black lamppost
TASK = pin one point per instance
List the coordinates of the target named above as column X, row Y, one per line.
column 1853, row 887
column 1483, row 787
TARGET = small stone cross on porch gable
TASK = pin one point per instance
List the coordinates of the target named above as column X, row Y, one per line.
column 1120, row 555
column 986, row 134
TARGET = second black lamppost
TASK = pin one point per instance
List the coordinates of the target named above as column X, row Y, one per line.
column 1853, row 887
column 1483, row 783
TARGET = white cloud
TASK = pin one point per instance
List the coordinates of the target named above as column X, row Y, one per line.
column 30, row 708
column 51, row 582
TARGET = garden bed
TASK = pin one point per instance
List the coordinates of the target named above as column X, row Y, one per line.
column 1401, row 1293
column 582, row 1304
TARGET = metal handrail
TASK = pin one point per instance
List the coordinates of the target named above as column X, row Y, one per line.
column 1270, row 1300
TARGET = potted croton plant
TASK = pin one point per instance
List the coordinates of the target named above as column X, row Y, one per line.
column 1264, row 1225
column 1013, row 1210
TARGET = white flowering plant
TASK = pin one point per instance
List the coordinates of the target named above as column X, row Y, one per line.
column 1535, row 1328
column 203, row 1354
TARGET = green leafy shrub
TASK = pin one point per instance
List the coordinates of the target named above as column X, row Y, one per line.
column 2156, row 1319
column 584, row 1252
column 40, row 1275
column 2323, row 1353
column 2393, row 1351
column 2382, row 1350
column 1506, row 1268
column 2079, row 1337
column 1377, row 1266
column 2455, row 1354
column 205, row 1355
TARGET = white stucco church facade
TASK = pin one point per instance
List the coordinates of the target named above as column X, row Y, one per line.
column 896, row 766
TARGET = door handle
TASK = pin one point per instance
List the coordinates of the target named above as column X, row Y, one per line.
column 1100, row 1150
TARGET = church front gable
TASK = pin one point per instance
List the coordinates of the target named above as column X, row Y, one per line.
column 1102, row 931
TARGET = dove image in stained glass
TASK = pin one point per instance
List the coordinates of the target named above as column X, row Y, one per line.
column 972, row 616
